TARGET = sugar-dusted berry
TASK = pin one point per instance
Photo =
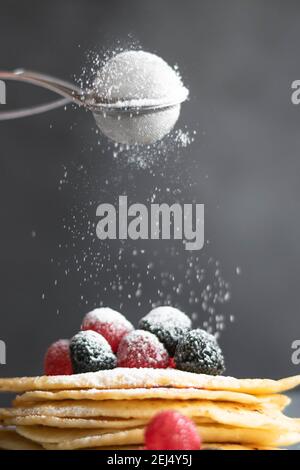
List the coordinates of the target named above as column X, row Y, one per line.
column 142, row 349
column 198, row 351
column 109, row 323
column 168, row 323
column 91, row 352
column 57, row 359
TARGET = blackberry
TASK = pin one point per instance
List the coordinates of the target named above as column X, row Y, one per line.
column 91, row 352
column 167, row 323
column 199, row 352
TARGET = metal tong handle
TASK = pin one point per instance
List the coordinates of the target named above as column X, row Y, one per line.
column 69, row 91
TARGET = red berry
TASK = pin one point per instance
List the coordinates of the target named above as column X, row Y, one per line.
column 172, row 364
column 57, row 359
column 170, row 430
column 108, row 323
column 142, row 349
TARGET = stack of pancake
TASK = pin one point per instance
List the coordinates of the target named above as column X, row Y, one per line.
column 110, row 410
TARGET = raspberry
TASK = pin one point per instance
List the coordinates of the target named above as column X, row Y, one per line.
column 142, row 349
column 109, row 323
column 170, row 430
column 57, row 359
column 168, row 323
column 172, row 364
column 91, row 352
column 199, row 352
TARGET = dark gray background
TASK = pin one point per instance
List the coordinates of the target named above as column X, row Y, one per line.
column 238, row 58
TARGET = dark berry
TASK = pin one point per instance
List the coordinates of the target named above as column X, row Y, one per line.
column 142, row 349
column 57, row 359
column 168, row 323
column 109, row 323
column 199, row 352
column 170, row 430
column 91, row 352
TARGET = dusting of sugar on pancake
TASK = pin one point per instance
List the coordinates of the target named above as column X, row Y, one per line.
column 147, row 378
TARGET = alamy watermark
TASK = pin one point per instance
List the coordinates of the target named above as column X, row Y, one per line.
column 2, row 92
column 295, row 358
column 2, row 353
column 159, row 222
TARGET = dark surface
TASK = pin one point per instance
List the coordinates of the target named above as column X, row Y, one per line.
column 238, row 59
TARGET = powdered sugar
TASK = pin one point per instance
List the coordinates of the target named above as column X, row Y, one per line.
column 120, row 378
column 106, row 315
column 169, row 315
column 138, row 78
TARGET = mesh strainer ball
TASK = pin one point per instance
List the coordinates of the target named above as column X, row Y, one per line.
column 145, row 94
